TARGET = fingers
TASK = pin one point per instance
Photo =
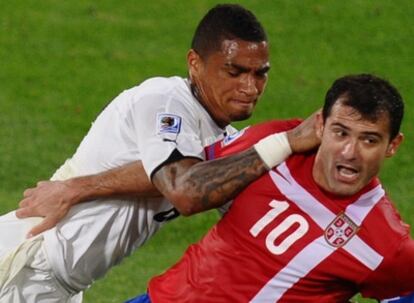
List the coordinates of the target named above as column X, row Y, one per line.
column 28, row 192
column 304, row 137
column 46, row 224
column 315, row 113
column 24, row 213
column 44, row 200
column 24, row 203
column 26, row 209
column 30, row 200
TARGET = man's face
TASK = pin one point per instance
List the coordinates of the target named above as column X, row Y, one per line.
column 352, row 150
column 231, row 80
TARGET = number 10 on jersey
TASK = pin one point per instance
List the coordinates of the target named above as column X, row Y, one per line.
column 278, row 207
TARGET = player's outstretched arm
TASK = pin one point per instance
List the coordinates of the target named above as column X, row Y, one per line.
column 194, row 186
column 53, row 199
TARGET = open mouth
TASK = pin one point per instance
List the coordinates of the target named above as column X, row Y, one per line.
column 347, row 173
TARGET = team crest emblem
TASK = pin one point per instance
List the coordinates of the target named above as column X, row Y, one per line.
column 168, row 123
column 340, row 231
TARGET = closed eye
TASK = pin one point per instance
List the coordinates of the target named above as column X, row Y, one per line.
column 262, row 72
column 234, row 74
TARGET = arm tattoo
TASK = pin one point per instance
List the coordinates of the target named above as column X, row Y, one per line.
column 212, row 183
column 221, row 180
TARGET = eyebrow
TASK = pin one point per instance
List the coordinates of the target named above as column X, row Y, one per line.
column 244, row 69
column 376, row 134
column 340, row 125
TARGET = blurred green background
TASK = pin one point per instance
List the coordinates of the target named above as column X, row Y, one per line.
column 62, row 61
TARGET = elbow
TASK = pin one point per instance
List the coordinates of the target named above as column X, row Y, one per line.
column 185, row 212
column 185, row 203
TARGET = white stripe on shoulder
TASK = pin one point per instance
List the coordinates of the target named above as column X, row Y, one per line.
column 358, row 210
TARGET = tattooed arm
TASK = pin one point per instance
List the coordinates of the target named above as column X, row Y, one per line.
column 194, row 186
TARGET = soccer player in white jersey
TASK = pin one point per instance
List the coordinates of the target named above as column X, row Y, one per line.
column 165, row 123
column 319, row 226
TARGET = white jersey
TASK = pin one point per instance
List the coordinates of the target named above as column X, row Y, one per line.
column 145, row 123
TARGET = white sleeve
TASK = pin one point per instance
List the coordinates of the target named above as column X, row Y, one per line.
column 163, row 125
column 231, row 130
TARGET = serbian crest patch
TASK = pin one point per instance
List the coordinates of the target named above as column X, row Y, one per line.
column 340, row 231
column 168, row 123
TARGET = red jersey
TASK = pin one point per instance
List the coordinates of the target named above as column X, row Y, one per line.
column 286, row 240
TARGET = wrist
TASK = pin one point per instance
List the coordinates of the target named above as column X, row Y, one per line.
column 293, row 137
column 273, row 149
column 77, row 190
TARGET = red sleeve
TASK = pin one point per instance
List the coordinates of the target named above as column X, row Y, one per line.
column 395, row 276
column 247, row 137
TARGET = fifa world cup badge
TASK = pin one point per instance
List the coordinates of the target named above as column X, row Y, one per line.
column 340, row 231
column 168, row 123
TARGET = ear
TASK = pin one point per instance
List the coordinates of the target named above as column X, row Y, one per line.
column 393, row 145
column 193, row 63
column 319, row 125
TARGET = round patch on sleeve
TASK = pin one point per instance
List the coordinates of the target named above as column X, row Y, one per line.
column 168, row 123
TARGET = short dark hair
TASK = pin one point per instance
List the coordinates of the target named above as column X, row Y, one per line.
column 370, row 96
column 226, row 21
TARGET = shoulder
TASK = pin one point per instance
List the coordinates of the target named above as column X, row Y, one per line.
column 383, row 227
column 392, row 217
column 160, row 86
column 162, row 94
column 247, row 137
column 256, row 132
column 273, row 126
column 163, row 82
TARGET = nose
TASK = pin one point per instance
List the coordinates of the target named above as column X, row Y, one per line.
column 350, row 150
column 249, row 85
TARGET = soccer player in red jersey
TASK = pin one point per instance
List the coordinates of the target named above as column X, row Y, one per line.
column 318, row 227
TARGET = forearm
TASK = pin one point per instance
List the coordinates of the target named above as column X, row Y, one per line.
column 127, row 180
column 193, row 186
column 205, row 185
column 53, row 199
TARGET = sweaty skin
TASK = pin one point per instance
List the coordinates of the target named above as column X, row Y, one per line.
column 206, row 185
column 230, row 81
column 194, row 186
column 352, row 150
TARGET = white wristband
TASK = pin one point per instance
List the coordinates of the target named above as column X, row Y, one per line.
column 273, row 149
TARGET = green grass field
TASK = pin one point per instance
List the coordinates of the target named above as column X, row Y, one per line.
column 62, row 61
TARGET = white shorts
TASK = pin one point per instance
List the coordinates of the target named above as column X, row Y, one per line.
column 25, row 273
column 13, row 231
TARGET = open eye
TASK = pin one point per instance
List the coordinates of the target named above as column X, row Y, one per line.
column 340, row 132
column 371, row 140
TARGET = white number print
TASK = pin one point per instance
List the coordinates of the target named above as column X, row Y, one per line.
column 278, row 207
